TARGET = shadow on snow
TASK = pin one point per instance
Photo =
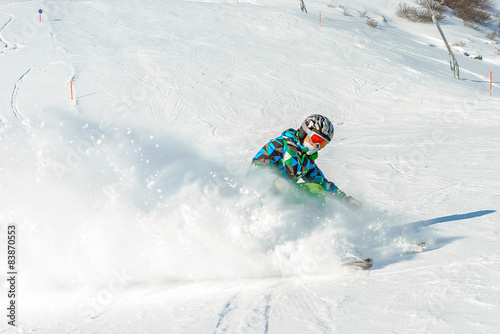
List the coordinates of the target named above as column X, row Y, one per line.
column 416, row 227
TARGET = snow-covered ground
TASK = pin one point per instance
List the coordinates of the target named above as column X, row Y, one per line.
column 130, row 203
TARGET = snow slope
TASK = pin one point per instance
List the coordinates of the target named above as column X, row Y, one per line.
column 130, row 201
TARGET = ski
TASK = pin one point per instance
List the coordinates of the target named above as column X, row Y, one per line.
column 359, row 264
column 422, row 246
column 416, row 248
column 368, row 262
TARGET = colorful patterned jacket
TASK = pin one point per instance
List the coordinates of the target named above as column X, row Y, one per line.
column 287, row 157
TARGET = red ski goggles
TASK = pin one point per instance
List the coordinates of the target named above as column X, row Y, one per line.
column 316, row 138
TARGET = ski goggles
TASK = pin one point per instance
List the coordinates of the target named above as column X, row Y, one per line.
column 316, row 137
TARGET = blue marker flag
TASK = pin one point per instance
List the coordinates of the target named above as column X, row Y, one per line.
column 40, row 11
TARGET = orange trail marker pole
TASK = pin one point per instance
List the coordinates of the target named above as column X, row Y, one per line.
column 491, row 80
column 71, row 88
column 40, row 12
column 319, row 17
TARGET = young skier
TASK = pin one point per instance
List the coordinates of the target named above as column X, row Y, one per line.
column 292, row 157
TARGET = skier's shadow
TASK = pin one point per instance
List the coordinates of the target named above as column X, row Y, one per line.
column 415, row 227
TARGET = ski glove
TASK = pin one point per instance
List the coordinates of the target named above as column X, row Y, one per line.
column 350, row 202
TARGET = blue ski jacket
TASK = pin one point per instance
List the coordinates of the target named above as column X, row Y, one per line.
column 287, row 157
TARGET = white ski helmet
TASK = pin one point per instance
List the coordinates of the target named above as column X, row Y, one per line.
column 319, row 123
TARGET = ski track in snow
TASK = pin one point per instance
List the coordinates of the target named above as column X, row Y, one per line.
column 220, row 328
column 141, row 203
column 6, row 47
column 263, row 309
column 245, row 313
column 220, row 87
column 15, row 92
column 143, row 86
